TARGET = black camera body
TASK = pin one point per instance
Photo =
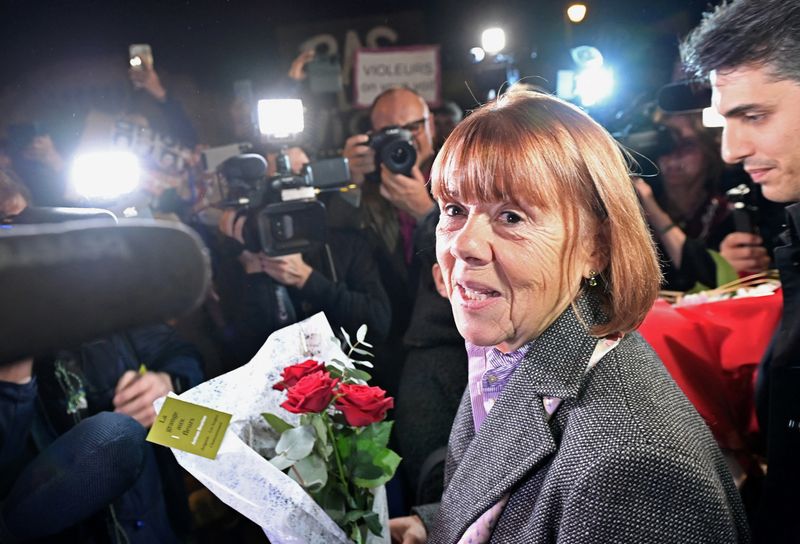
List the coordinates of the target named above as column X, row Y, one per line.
column 394, row 147
column 282, row 213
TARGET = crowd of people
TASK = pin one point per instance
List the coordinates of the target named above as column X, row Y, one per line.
column 502, row 279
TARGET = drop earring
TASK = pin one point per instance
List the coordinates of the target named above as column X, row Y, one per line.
column 592, row 279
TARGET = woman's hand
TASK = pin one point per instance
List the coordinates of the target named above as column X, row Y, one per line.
column 408, row 530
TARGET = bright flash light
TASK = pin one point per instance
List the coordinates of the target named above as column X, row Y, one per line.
column 280, row 118
column 493, row 40
column 136, row 61
column 105, row 175
column 593, row 85
column 576, row 12
column 712, row 118
column 478, row 54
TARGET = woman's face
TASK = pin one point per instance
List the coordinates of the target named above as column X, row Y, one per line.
column 502, row 263
column 686, row 164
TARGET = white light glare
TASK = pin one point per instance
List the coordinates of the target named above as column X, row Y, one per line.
column 493, row 40
column 593, row 85
column 136, row 61
column 712, row 118
column 105, row 175
column 280, row 118
column 478, row 54
column 576, row 12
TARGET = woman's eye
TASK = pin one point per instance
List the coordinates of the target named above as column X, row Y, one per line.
column 452, row 210
column 510, row 217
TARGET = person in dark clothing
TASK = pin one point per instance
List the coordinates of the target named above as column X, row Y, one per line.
column 690, row 215
column 392, row 207
column 261, row 294
column 751, row 52
column 44, row 411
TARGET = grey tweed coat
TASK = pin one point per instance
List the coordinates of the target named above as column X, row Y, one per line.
column 625, row 458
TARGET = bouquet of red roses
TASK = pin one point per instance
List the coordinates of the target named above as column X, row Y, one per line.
column 338, row 450
column 305, row 454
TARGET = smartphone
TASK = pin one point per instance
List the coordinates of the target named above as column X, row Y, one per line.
column 140, row 56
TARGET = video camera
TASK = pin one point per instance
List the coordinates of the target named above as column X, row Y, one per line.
column 282, row 212
column 394, row 147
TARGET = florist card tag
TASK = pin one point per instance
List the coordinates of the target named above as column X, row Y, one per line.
column 189, row 427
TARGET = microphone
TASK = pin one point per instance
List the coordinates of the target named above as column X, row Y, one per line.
column 63, row 284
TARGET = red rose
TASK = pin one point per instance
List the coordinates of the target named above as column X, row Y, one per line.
column 312, row 393
column 292, row 374
column 362, row 405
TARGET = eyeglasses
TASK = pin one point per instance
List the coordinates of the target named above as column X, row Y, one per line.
column 415, row 126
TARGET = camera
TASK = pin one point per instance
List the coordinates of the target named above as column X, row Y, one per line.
column 282, row 213
column 394, row 147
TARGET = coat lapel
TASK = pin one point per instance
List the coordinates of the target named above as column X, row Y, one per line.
column 515, row 437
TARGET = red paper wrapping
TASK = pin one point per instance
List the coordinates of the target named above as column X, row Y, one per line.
column 712, row 351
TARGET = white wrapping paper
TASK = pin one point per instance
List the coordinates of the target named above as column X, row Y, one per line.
column 241, row 477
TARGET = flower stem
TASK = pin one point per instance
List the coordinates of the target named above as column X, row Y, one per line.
column 339, row 465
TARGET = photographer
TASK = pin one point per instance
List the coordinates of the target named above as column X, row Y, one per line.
column 260, row 294
column 689, row 215
column 393, row 205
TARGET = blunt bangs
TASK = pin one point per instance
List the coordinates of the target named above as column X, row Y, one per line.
column 504, row 152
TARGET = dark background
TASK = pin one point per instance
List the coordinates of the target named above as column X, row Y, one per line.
column 51, row 49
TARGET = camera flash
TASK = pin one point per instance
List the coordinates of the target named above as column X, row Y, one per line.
column 280, row 118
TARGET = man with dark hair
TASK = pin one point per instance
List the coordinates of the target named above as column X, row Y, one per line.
column 751, row 53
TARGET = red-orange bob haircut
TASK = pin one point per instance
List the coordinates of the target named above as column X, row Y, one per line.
column 533, row 148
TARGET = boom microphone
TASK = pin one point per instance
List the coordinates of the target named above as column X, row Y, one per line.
column 64, row 284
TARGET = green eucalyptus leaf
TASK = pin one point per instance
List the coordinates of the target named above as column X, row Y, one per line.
column 346, row 337
column 362, row 352
column 367, row 344
column 363, row 363
column 282, row 462
column 311, row 472
column 296, row 443
column 276, row 423
column 320, row 428
column 361, row 333
column 359, row 375
column 334, row 371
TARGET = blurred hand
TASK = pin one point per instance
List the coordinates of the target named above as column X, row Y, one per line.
column 232, row 226
column 136, row 392
column 148, row 79
column 745, row 252
column 18, row 372
column 360, row 156
column 408, row 530
column 296, row 71
column 645, row 193
column 289, row 269
column 43, row 150
column 406, row 193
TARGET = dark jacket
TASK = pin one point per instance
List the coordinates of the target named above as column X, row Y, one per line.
column 778, row 400
column 344, row 284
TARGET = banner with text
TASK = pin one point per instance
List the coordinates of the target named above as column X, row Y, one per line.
column 376, row 70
